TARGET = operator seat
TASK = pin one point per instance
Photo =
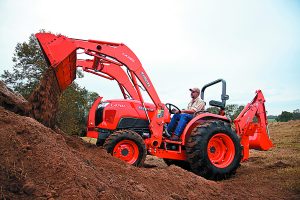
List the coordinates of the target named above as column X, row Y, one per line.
column 218, row 104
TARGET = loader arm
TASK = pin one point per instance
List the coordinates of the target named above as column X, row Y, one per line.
column 109, row 72
column 109, row 61
column 251, row 126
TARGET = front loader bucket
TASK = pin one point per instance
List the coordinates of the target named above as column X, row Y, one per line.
column 60, row 54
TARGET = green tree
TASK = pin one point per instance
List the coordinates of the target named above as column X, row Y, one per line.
column 74, row 105
column 232, row 110
column 284, row 116
column 296, row 114
column 29, row 65
column 238, row 111
column 90, row 98
column 213, row 110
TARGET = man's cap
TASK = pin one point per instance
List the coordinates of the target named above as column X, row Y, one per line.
column 195, row 90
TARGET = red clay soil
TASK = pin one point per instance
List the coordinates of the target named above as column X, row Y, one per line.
column 12, row 101
column 43, row 101
column 37, row 162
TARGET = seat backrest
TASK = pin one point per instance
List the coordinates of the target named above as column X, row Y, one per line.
column 217, row 104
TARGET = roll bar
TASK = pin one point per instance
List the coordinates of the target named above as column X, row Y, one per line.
column 224, row 96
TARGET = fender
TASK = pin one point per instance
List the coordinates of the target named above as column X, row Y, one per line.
column 203, row 117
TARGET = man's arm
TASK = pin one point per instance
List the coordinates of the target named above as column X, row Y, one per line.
column 190, row 111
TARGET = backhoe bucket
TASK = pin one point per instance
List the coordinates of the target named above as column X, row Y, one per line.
column 260, row 139
column 60, row 53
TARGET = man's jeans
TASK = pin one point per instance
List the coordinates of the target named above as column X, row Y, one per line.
column 182, row 120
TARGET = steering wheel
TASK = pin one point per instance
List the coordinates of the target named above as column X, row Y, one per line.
column 171, row 107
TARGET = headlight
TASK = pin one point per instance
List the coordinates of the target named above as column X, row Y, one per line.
column 103, row 104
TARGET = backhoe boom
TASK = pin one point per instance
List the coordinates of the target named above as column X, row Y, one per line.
column 251, row 125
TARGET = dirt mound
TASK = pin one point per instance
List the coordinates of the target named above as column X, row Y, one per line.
column 12, row 101
column 40, row 163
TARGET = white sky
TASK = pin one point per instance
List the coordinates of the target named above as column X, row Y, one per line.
column 181, row 44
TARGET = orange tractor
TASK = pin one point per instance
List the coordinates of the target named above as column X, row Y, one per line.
column 129, row 128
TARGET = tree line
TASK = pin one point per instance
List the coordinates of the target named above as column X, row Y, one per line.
column 287, row 116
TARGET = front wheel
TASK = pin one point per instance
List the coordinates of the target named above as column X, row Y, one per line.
column 128, row 146
column 214, row 150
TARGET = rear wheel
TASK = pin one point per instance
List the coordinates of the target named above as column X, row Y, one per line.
column 128, row 146
column 214, row 150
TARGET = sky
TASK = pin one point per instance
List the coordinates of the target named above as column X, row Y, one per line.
column 181, row 44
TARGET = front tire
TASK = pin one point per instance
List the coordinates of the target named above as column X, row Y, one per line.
column 128, row 146
column 214, row 150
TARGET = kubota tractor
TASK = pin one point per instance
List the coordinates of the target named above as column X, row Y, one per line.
column 129, row 128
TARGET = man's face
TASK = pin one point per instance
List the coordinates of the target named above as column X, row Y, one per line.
column 194, row 94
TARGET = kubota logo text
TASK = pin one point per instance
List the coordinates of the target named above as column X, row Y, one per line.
column 129, row 58
column 145, row 79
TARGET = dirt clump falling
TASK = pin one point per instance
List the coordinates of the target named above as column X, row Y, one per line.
column 41, row 105
column 44, row 99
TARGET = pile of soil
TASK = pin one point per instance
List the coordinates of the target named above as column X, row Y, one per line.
column 12, row 101
column 37, row 162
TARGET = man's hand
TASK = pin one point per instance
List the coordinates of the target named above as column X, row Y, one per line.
column 175, row 111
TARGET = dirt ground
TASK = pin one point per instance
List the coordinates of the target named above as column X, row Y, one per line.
column 37, row 162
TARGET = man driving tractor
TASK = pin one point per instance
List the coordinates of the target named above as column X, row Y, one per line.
column 181, row 118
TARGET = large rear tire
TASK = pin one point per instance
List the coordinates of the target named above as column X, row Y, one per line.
column 128, row 146
column 214, row 150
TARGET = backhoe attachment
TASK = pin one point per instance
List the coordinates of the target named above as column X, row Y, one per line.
column 251, row 125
